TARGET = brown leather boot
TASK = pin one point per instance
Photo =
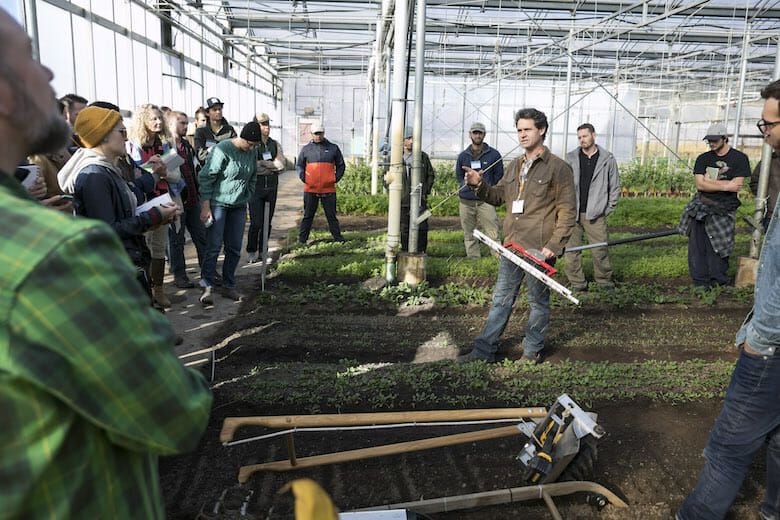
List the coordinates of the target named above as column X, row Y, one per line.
column 157, row 273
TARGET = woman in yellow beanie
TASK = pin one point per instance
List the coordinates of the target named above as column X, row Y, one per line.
column 101, row 192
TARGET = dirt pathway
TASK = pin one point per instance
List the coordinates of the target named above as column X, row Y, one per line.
column 196, row 324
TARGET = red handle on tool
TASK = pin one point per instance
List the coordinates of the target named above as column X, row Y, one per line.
column 547, row 268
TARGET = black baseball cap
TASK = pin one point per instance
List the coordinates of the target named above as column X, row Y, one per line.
column 212, row 102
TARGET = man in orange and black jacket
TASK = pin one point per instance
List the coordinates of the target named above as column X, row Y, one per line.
column 320, row 166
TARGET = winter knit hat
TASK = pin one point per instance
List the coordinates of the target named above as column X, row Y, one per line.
column 251, row 132
column 94, row 123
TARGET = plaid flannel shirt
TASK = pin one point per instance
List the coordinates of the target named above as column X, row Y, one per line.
column 718, row 223
column 90, row 389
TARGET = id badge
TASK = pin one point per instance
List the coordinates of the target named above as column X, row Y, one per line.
column 518, row 205
column 267, row 156
column 476, row 165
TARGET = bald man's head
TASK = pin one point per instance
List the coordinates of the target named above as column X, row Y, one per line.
column 30, row 121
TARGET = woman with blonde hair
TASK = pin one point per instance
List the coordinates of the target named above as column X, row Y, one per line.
column 148, row 140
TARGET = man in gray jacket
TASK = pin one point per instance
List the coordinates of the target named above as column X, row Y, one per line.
column 597, row 187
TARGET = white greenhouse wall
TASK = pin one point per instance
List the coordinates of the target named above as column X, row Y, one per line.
column 94, row 56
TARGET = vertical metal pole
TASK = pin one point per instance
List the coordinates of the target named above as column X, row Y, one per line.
column 569, row 63
column 676, row 122
column 742, row 74
column 31, row 24
column 763, row 176
column 614, row 105
column 728, row 103
column 397, row 142
column 463, row 116
column 419, row 74
column 377, row 100
column 368, row 114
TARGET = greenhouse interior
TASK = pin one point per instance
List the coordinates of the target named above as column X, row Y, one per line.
column 366, row 359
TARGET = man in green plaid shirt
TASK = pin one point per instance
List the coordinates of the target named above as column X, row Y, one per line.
column 90, row 389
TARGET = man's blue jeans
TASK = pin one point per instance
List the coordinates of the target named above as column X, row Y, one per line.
column 228, row 228
column 507, row 286
column 190, row 220
column 750, row 417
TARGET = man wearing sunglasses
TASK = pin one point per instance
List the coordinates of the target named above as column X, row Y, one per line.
column 709, row 219
column 750, row 417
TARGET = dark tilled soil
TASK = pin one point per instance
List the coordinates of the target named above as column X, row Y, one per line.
column 651, row 455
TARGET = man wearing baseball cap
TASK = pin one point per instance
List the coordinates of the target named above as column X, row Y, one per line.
column 427, row 176
column 709, row 219
column 320, row 166
column 215, row 131
column 270, row 163
column 474, row 212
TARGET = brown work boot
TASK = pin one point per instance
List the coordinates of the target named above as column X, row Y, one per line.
column 157, row 273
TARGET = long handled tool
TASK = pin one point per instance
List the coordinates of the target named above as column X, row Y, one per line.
column 648, row 236
column 527, row 265
column 425, row 215
column 266, row 234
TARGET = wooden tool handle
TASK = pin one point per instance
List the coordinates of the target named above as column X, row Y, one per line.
column 231, row 424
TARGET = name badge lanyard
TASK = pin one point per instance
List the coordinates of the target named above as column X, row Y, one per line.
column 519, row 203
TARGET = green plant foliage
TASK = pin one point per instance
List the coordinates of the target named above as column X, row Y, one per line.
column 511, row 383
column 356, row 180
column 657, row 175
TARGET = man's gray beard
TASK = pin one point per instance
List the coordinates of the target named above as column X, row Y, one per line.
column 49, row 137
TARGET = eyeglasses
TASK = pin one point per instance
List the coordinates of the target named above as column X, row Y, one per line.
column 265, row 123
column 763, row 125
column 319, row 133
column 715, row 140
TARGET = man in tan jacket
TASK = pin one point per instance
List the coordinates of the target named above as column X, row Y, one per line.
column 538, row 190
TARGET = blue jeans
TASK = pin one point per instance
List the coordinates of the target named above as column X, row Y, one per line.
column 504, row 295
column 228, row 228
column 190, row 220
column 750, row 417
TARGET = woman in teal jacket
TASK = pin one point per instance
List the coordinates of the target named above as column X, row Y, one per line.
column 227, row 182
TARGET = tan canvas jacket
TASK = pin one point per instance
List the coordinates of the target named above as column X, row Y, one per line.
column 549, row 203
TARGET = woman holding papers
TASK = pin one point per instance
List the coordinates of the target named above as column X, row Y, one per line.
column 100, row 191
column 147, row 144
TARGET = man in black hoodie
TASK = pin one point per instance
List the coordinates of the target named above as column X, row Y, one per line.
column 215, row 131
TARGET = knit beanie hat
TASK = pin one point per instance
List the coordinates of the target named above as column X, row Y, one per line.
column 251, row 132
column 94, row 123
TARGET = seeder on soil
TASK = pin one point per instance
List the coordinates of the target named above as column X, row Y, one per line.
column 561, row 446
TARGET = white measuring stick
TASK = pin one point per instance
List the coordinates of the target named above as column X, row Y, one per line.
column 525, row 266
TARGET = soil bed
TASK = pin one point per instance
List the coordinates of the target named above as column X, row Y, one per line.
column 651, row 456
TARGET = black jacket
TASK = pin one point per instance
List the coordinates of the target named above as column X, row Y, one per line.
column 100, row 194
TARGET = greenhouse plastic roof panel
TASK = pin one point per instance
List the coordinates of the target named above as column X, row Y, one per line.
column 644, row 42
